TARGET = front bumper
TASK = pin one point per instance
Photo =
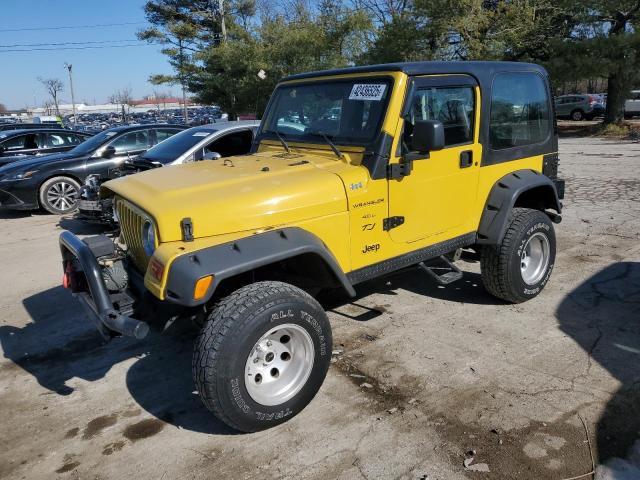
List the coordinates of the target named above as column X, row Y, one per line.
column 83, row 276
column 18, row 195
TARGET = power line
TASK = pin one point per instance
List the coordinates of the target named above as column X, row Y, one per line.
column 68, row 27
column 64, row 43
column 77, row 48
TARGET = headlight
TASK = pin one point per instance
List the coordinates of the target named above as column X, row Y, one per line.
column 19, row 176
column 148, row 237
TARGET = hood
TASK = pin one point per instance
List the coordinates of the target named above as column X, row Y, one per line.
column 236, row 194
column 25, row 163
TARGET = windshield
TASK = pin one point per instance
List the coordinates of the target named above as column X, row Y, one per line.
column 93, row 143
column 347, row 111
column 171, row 148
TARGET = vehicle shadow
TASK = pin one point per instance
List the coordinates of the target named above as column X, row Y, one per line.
column 9, row 214
column 80, row 227
column 60, row 344
column 468, row 289
column 603, row 316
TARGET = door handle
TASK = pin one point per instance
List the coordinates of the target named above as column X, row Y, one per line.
column 466, row 159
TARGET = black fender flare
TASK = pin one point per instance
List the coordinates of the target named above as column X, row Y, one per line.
column 504, row 195
column 244, row 255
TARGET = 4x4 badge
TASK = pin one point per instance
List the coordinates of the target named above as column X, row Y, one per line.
column 355, row 186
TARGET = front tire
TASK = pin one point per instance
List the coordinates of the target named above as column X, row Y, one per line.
column 262, row 355
column 519, row 267
column 59, row 195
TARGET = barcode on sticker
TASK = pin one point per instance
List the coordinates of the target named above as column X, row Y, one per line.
column 367, row 91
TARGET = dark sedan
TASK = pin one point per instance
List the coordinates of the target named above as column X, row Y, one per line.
column 53, row 181
column 16, row 144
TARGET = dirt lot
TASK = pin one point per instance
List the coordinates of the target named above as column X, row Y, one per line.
column 450, row 369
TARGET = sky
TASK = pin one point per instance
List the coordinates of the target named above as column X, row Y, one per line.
column 97, row 73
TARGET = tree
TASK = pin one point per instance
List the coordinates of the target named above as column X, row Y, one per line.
column 283, row 44
column 605, row 30
column 123, row 98
column 54, row 88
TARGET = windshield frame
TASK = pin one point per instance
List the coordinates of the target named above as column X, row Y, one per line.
column 315, row 138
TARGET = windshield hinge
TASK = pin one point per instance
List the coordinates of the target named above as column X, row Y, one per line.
column 391, row 222
column 187, row 229
column 396, row 171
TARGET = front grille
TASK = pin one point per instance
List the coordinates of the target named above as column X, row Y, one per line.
column 131, row 221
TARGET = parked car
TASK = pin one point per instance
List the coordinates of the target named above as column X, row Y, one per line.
column 579, row 107
column 53, row 181
column 207, row 142
column 412, row 169
column 18, row 144
column 632, row 104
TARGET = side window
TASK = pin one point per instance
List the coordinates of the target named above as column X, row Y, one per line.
column 164, row 133
column 15, row 143
column 519, row 111
column 636, row 95
column 132, row 141
column 62, row 139
column 236, row 143
column 453, row 106
column 21, row 142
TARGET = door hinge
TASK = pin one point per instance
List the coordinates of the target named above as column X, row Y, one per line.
column 392, row 222
column 399, row 170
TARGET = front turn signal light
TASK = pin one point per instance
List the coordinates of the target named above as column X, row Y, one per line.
column 202, row 285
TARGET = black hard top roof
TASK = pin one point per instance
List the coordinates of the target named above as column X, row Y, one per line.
column 474, row 68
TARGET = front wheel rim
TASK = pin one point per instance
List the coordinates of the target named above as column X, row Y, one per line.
column 279, row 364
column 534, row 259
column 62, row 196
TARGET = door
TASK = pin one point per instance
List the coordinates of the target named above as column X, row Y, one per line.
column 437, row 196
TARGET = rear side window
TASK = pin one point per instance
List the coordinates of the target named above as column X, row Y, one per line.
column 62, row 139
column 519, row 111
column 132, row 141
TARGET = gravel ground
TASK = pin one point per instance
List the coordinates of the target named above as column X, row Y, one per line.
column 447, row 370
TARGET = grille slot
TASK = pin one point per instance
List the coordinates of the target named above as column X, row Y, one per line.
column 131, row 221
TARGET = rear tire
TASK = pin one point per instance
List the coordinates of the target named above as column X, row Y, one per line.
column 59, row 195
column 577, row 115
column 519, row 267
column 262, row 355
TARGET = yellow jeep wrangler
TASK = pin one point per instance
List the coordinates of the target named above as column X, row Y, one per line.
column 354, row 173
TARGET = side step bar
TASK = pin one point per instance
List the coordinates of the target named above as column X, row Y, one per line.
column 450, row 274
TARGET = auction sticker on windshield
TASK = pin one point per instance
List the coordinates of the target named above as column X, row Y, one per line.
column 367, row 91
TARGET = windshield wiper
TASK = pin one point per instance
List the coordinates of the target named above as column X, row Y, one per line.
column 329, row 142
column 282, row 141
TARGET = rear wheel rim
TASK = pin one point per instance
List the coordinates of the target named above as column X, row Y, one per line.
column 534, row 259
column 62, row 196
column 279, row 364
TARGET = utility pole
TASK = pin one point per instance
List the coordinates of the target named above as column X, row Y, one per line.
column 68, row 66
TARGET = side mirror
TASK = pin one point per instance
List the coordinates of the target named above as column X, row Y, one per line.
column 108, row 152
column 212, row 156
column 428, row 136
